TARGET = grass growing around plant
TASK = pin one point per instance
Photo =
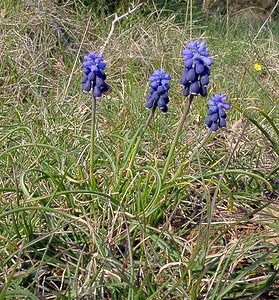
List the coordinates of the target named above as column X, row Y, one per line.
column 209, row 230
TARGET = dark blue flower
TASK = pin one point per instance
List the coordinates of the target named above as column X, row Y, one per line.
column 196, row 73
column 159, row 87
column 94, row 75
column 216, row 115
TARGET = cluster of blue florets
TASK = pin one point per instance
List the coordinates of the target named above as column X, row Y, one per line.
column 216, row 112
column 196, row 73
column 158, row 94
column 94, row 75
column 194, row 80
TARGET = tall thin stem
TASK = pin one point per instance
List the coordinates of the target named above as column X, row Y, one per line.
column 177, row 134
column 92, row 140
column 147, row 123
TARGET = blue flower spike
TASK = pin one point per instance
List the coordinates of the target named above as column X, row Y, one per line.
column 196, row 73
column 216, row 115
column 159, row 87
column 94, row 75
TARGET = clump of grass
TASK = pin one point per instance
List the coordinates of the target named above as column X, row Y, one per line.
column 207, row 230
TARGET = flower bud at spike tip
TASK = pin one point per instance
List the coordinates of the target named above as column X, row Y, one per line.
column 216, row 115
column 196, row 69
column 158, row 94
column 94, row 75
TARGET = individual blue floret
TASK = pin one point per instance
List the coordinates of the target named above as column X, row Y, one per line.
column 159, row 87
column 94, row 75
column 216, row 115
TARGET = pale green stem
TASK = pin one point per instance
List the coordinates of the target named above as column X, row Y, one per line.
column 147, row 123
column 198, row 147
column 134, row 151
column 92, row 140
column 177, row 134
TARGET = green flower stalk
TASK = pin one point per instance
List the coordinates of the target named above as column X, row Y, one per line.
column 94, row 81
column 194, row 81
column 146, row 125
column 157, row 97
column 92, row 139
column 177, row 134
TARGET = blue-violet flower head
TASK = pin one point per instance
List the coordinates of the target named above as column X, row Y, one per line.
column 216, row 115
column 159, row 87
column 94, row 75
column 196, row 73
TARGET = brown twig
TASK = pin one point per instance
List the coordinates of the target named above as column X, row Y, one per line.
column 117, row 18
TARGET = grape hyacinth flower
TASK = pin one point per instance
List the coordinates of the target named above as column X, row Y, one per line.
column 94, row 75
column 216, row 113
column 159, row 87
column 196, row 73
